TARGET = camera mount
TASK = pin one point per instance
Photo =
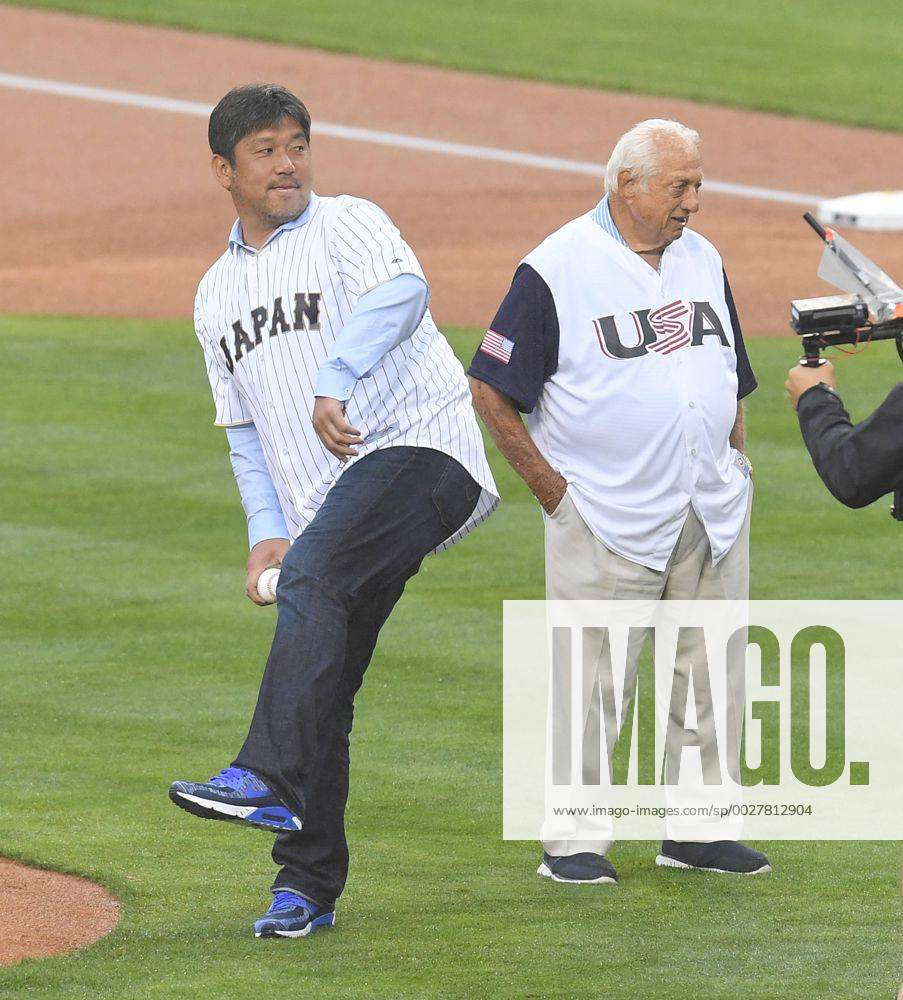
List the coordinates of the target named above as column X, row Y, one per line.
column 835, row 320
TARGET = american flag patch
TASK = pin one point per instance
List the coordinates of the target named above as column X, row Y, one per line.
column 497, row 346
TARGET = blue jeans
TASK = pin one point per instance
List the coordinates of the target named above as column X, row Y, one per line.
column 338, row 584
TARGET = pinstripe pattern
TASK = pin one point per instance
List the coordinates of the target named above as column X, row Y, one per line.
column 602, row 217
column 417, row 395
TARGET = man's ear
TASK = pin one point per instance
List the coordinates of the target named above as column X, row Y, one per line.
column 223, row 171
column 626, row 184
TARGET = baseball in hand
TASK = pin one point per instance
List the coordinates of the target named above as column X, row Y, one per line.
column 266, row 584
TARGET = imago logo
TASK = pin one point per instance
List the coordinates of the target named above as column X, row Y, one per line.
column 688, row 681
column 661, row 330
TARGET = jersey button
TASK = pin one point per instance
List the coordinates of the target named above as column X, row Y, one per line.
column 693, row 452
column 692, row 406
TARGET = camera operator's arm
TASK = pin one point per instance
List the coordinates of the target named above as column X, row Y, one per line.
column 858, row 463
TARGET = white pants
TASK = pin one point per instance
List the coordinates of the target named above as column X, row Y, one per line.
column 580, row 567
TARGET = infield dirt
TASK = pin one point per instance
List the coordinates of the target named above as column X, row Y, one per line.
column 111, row 210
column 45, row 913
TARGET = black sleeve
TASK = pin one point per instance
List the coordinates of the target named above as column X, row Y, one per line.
column 520, row 350
column 857, row 464
column 746, row 379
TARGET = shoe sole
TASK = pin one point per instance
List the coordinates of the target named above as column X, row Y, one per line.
column 323, row 922
column 547, row 872
column 265, row 818
column 663, row 861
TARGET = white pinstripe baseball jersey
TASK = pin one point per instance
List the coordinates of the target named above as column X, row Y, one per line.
column 266, row 321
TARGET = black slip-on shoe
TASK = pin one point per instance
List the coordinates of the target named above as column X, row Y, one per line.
column 581, row 869
column 728, row 857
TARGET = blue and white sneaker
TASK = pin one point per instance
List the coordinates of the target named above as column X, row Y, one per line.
column 236, row 795
column 291, row 915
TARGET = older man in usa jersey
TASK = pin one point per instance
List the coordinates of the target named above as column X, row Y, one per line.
column 620, row 339
column 356, row 453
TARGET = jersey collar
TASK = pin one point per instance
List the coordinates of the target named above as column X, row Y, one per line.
column 236, row 236
column 603, row 218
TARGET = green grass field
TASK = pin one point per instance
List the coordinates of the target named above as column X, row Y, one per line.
column 130, row 657
column 818, row 58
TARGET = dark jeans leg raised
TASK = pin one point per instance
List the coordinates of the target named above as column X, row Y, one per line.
column 338, row 584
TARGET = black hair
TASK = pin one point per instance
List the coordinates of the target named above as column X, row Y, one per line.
column 248, row 109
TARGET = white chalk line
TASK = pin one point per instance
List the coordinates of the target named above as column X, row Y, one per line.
column 393, row 139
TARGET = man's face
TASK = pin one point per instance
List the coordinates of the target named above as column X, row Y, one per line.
column 271, row 178
column 663, row 203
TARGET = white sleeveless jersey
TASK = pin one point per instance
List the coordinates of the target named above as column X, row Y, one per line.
column 266, row 321
column 638, row 415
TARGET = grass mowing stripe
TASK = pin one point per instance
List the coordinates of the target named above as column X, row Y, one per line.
column 111, row 692
column 818, row 58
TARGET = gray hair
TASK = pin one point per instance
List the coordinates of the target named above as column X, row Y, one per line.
column 639, row 149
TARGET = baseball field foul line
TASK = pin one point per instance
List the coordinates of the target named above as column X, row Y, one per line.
column 394, row 139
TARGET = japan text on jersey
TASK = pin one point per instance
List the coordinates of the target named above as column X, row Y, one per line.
column 267, row 320
column 303, row 314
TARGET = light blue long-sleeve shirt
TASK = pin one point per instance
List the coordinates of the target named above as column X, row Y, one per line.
column 258, row 494
column 383, row 318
